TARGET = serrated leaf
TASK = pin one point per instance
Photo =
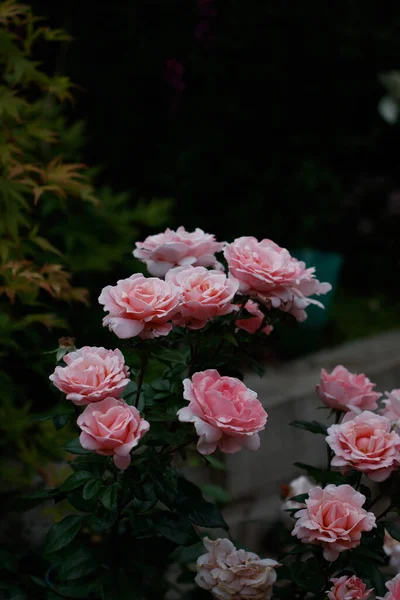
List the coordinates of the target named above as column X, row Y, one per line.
column 62, row 533
column 109, row 497
column 77, row 479
column 91, row 489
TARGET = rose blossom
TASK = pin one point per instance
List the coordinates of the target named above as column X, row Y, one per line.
column 252, row 324
column 391, row 409
column 392, row 549
column 333, row 518
column 226, row 414
column 170, row 249
column 300, row 485
column 140, row 306
column 342, row 390
column 271, row 275
column 364, row 442
column 394, row 589
column 91, row 375
column 204, row 295
column 348, row 588
column 112, row 428
column 231, row 574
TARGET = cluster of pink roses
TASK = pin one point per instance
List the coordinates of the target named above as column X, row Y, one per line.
column 196, row 289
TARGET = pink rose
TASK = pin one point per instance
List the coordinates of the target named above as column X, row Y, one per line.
column 226, row 414
column 140, row 306
column 170, row 249
column 112, row 428
column 348, row 588
column 91, row 375
column 392, row 406
column 269, row 274
column 342, row 390
column 204, row 295
column 394, row 589
column 364, row 442
column 252, row 325
column 333, row 518
column 231, row 574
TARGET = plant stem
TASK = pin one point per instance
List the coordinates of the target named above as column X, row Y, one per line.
column 144, row 359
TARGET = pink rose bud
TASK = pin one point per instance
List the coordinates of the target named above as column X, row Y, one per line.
column 91, row 375
column 333, row 518
column 231, row 574
column 342, row 390
column 365, row 443
column 269, row 274
column 170, row 249
column 394, row 589
column 348, row 588
column 140, row 306
column 204, row 295
column 252, row 325
column 112, row 428
column 226, row 414
column 391, row 409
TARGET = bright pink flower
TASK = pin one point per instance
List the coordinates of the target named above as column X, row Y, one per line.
column 91, row 375
column 333, row 518
column 231, row 574
column 226, row 414
column 348, row 588
column 170, row 249
column 140, row 306
column 268, row 273
column 346, row 391
column 112, row 428
column 392, row 406
column 204, row 295
column 364, row 442
column 252, row 325
column 394, row 589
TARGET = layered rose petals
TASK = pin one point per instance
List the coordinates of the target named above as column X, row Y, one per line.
column 253, row 324
column 348, row 588
column 342, row 390
column 394, row 589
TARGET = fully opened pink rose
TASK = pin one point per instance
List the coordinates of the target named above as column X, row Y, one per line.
column 333, row 518
column 91, row 375
column 204, row 295
column 231, row 574
column 348, row 588
column 112, row 428
column 365, row 442
column 170, row 249
column 140, row 306
column 394, row 589
column 391, row 408
column 342, row 390
column 226, row 414
column 253, row 324
column 268, row 273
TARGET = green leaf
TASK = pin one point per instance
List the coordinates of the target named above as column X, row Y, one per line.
column 218, row 493
column 91, row 489
column 109, row 497
column 60, row 421
column 299, row 498
column 167, row 356
column 74, row 446
column 164, row 487
column 312, row 426
column 78, row 590
column 207, row 515
column 322, row 476
column 103, row 522
column 62, row 533
column 175, row 528
column 77, row 479
column 77, row 565
column 215, row 463
column 392, row 529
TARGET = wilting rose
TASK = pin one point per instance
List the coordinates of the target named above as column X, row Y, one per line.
column 348, row 588
column 269, row 274
column 342, row 390
column 300, row 485
column 365, row 442
column 204, row 295
column 170, row 249
column 140, row 306
column 112, row 428
column 252, row 325
column 394, row 589
column 91, row 375
column 226, row 414
column 231, row 574
column 333, row 518
column 391, row 409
